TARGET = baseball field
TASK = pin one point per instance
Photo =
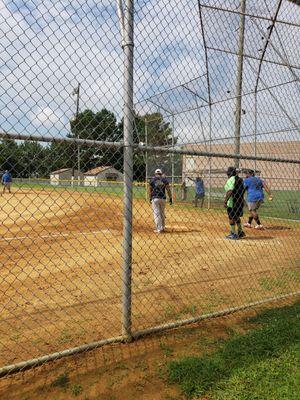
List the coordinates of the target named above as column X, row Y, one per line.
column 61, row 274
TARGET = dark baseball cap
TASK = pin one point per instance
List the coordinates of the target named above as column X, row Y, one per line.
column 231, row 171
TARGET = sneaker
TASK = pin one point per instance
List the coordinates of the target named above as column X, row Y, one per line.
column 259, row 227
column 241, row 234
column 157, row 231
column 232, row 236
column 247, row 225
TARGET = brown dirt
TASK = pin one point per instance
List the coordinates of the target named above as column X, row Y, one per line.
column 124, row 372
column 61, row 276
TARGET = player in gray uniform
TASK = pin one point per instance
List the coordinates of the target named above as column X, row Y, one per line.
column 158, row 187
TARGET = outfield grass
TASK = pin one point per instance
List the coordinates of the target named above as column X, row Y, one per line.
column 260, row 365
column 286, row 204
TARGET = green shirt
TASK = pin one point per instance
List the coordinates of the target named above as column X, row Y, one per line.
column 229, row 185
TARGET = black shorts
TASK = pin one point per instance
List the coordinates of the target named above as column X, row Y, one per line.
column 234, row 213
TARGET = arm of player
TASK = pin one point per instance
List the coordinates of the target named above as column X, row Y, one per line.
column 227, row 197
column 267, row 189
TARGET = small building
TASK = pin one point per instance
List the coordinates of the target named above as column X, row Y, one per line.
column 100, row 175
column 65, row 177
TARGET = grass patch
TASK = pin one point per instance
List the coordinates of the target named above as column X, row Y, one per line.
column 61, row 381
column 76, row 389
column 262, row 364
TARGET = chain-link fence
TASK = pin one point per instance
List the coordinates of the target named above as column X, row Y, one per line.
column 106, row 107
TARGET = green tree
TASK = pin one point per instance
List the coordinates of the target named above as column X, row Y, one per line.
column 32, row 159
column 101, row 126
column 153, row 130
column 10, row 157
column 59, row 155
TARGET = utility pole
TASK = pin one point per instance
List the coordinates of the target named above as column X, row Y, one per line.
column 239, row 84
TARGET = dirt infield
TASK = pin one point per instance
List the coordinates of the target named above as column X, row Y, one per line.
column 61, row 268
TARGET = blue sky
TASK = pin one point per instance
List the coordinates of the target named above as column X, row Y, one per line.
column 48, row 46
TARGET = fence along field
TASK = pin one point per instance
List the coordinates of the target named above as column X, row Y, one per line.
column 80, row 265
column 61, row 252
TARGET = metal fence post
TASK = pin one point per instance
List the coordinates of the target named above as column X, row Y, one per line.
column 239, row 83
column 128, row 166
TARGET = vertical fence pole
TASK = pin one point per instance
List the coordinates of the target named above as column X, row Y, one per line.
column 146, row 157
column 128, row 166
column 209, row 159
column 172, row 160
column 255, row 129
column 239, row 83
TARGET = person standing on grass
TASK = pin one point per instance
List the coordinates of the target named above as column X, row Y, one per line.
column 255, row 197
column 199, row 191
column 6, row 181
column 234, row 203
column 158, row 187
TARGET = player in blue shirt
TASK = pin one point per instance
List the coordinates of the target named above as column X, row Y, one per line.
column 255, row 197
column 6, row 181
column 157, row 195
column 199, row 191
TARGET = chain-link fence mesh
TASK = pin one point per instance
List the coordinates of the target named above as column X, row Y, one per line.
column 86, row 259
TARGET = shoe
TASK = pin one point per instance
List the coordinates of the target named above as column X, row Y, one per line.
column 259, row 227
column 157, row 231
column 241, row 234
column 247, row 225
column 232, row 236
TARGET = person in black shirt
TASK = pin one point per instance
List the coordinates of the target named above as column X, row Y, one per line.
column 157, row 195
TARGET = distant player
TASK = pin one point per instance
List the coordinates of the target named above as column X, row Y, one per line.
column 234, row 203
column 199, row 191
column 6, row 181
column 255, row 197
column 158, row 187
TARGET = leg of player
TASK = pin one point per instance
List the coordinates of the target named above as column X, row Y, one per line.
column 255, row 215
column 240, row 233
column 232, row 235
column 251, row 207
column 163, row 215
column 250, row 219
column 257, row 220
column 156, row 213
column 196, row 200
column 202, row 201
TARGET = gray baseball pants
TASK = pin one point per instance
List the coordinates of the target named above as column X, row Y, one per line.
column 158, row 206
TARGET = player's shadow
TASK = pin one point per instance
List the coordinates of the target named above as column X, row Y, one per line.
column 278, row 228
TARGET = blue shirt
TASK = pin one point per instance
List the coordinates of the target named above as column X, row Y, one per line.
column 255, row 189
column 158, row 185
column 199, row 187
column 6, row 178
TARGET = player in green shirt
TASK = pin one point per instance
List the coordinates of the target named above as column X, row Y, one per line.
column 234, row 203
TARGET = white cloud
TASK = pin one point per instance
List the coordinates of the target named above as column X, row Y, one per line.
column 47, row 117
column 47, row 51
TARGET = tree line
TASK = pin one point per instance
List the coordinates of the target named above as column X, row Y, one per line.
column 32, row 159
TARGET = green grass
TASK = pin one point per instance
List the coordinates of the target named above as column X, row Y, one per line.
column 286, row 203
column 262, row 364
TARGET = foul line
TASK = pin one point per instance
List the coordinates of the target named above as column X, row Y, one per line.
column 283, row 219
column 56, row 235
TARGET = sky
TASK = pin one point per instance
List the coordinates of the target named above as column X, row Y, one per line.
column 47, row 47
